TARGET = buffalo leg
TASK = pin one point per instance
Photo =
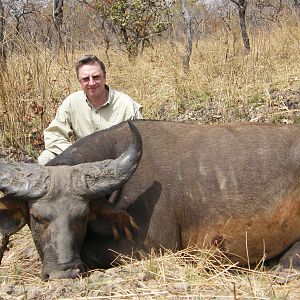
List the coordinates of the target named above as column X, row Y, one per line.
column 4, row 239
column 289, row 264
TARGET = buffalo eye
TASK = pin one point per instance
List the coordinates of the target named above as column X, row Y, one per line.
column 79, row 219
column 39, row 219
column 79, row 223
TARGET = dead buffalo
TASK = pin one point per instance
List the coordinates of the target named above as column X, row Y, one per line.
column 236, row 187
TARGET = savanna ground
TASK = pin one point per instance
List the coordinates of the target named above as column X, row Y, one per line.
column 224, row 85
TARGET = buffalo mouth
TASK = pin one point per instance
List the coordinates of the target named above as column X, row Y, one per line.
column 71, row 272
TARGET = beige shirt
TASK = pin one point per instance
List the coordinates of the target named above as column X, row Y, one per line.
column 76, row 116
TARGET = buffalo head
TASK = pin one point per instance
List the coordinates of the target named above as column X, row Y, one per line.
column 55, row 202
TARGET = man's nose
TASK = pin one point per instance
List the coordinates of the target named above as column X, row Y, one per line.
column 91, row 80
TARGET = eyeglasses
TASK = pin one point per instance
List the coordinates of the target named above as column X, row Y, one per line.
column 94, row 78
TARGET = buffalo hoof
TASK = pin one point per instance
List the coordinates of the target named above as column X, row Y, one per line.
column 283, row 275
column 288, row 268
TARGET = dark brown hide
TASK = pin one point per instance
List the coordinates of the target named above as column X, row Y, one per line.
column 232, row 186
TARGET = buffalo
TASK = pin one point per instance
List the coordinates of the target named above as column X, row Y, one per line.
column 235, row 187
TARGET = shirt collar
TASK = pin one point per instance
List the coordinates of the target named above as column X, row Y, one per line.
column 107, row 103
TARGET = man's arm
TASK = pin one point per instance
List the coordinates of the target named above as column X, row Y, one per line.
column 137, row 108
column 57, row 134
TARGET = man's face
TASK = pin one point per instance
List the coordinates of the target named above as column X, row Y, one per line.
column 92, row 80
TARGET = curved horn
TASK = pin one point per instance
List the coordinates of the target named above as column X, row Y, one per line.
column 19, row 179
column 109, row 175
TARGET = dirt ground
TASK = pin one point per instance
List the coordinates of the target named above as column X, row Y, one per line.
column 172, row 276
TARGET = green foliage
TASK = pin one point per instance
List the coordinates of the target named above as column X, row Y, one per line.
column 296, row 119
column 200, row 98
column 136, row 22
column 257, row 99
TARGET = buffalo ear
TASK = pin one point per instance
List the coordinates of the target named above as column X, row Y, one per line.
column 104, row 219
column 12, row 215
column 12, row 219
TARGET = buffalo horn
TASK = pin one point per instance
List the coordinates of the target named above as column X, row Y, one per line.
column 18, row 179
column 109, row 175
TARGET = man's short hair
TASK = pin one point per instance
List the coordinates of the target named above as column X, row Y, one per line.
column 89, row 59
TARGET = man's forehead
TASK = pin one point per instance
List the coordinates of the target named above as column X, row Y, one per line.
column 90, row 69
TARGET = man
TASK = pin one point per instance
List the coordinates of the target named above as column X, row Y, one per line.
column 96, row 107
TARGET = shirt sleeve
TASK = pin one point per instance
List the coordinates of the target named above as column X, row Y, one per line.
column 57, row 135
column 137, row 110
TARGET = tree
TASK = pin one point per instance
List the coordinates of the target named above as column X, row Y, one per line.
column 188, row 35
column 18, row 10
column 57, row 22
column 269, row 10
column 242, row 6
column 2, row 28
column 24, row 22
column 135, row 23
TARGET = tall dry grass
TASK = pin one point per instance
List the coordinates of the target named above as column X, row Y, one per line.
column 223, row 81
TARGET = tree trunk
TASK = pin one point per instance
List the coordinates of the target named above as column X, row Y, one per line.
column 242, row 6
column 2, row 28
column 242, row 15
column 57, row 22
column 188, row 35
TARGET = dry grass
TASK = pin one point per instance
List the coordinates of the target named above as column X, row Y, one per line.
column 223, row 82
column 188, row 274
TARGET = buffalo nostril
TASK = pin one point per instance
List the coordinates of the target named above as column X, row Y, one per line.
column 45, row 276
column 67, row 274
column 75, row 273
column 71, row 271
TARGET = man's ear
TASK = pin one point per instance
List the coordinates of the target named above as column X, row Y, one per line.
column 13, row 215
